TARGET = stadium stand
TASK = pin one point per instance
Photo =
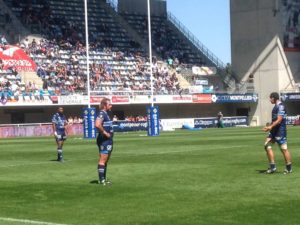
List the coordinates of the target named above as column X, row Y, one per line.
column 118, row 61
column 165, row 41
column 117, row 64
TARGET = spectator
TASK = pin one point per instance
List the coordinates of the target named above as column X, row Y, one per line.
column 76, row 119
column 70, row 120
column 3, row 40
column 220, row 120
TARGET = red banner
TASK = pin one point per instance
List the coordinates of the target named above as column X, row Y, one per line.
column 54, row 99
column 15, row 57
column 120, row 99
column 95, row 99
column 114, row 99
column 185, row 98
column 202, row 98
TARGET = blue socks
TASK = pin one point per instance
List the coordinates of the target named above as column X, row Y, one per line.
column 272, row 166
column 102, row 172
column 59, row 154
column 288, row 167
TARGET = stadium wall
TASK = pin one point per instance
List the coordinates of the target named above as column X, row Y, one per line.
column 254, row 24
column 257, row 39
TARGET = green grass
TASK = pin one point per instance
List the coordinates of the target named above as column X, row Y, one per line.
column 179, row 178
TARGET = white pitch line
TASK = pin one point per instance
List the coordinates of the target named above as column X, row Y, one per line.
column 28, row 221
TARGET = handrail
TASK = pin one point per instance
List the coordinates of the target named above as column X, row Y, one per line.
column 196, row 42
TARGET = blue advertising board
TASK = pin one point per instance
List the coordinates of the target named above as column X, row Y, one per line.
column 125, row 126
column 89, row 118
column 153, row 120
column 234, row 98
column 288, row 97
column 227, row 121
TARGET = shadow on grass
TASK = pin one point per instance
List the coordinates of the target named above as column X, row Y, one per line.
column 53, row 160
column 265, row 172
column 94, row 182
column 261, row 171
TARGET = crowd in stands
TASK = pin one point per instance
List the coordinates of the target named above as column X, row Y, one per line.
column 11, row 85
column 64, row 74
column 137, row 118
column 61, row 60
column 74, row 119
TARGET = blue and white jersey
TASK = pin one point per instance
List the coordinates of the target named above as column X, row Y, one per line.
column 279, row 110
column 60, row 121
column 106, row 122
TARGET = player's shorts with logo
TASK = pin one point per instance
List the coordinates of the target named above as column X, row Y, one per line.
column 61, row 136
column 278, row 136
column 105, row 145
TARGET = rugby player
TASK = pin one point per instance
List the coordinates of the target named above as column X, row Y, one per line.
column 104, row 139
column 278, row 134
column 59, row 123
